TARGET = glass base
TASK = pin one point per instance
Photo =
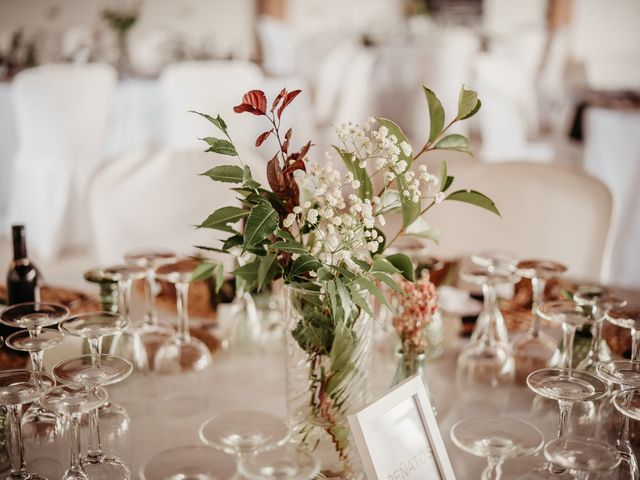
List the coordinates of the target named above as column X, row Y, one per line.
column 107, row 467
column 182, row 356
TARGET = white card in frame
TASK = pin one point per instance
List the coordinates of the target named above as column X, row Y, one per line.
column 398, row 437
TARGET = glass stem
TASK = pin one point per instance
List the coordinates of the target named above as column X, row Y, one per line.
column 493, row 470
column 182, row 295
column 124, row 297
column 75, row 467
column 37, row 359
column 596, row 332
column 565, row 410
column 489, row 333
column 580, row 475
column 95, row 348
column 94, row 449
column 150, row 293
column 568, row 334
column 537, row 287
column 16, row 448
column 635, row 344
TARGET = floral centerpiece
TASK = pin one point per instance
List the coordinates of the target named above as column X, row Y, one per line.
column 321, row 231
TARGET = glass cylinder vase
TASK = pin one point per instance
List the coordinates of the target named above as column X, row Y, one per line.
column 329, row 345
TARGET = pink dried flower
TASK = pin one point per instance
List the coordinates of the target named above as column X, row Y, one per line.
column 414, row 312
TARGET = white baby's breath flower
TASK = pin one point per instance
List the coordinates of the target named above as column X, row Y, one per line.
column 438, row 197
column 297, row 209
column 313, row 274
column 406, row 148
column 289, row 219
column 401, row 166
column 355, row 184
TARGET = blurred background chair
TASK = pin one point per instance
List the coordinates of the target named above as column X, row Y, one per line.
column 62, row 113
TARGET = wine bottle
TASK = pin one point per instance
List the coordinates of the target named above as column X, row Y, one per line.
column 23, row 276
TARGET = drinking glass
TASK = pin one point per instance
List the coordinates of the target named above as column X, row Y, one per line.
column 624, row 374
column 535, row 349
column 570, row 316
column 41, row 429
column 286, row 462
column 96, row 370
column 18, row 387
column 628, row 403
column 566, row 387
column 182, row 353
column 192, row 462
column 244, row 432
column 72, row 401
column 487, row 360
column 628, row 317
column 496, row 439
column 582, row 456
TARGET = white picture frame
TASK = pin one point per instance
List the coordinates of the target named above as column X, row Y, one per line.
column 398, row 437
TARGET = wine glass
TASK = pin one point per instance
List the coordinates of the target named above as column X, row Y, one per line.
column 496, row 439
column 487, row 360
column 286, row 462
column 97, row 370
column 18, row 387
column 628, row 317
column 244, row 432
column 570, row 316
column 535, row 349
column 566, row 387
column 582, row 456
column 197, row 462
column 628, row 403
column 72, row 401
column 626, row 375
column 182, row 353
column 41, row 429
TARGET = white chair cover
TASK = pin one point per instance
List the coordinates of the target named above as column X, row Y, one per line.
column 156, row 200
column 61, row 113
column 209, row 87
column 548, row 211
column 277, row 44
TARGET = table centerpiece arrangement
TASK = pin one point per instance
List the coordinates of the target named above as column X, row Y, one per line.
column 320, row 231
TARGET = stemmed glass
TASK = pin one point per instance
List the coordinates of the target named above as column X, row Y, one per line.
column 496, row 439
column 628, row 317
column 40, row 428
column 197, row 462
column 96, row 370
column 582, row 456
column 182, row 353
column 487, row 360
column 566, row 387
column 628, row 403
column 287, row 462
column 18, row 387
column 626, row 375
column 72, row 402
column 127, row 343
column 598, row 301
column 244, row 432
column 570, row 316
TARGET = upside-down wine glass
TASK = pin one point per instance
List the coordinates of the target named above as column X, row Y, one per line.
column 628, row 317
column 535, row 349
column 190, row 462
column 97, row 370
column 71, row 401
column 41, row 428
column 19, row 387
column 628, row 403
column 566, row 387
column 496, row 438
column 582, row 456
column 282, row 463
column 624, row 374
column 244, row 432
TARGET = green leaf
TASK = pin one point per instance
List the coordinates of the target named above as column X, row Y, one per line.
column 475, row 198
column 233, row 241
column 403, row 263
column 218, row 121
column 468, row 103
column 267, row 270
column 203, row 271
column 410, row 209
column 373, row 290
column 283, row 234
column 381, row 264
column 388, row 280
column 303, row 264
column 225, row 173
column 223, row 217
column 218, row 145
column 431, row 234
column 366, row 188
column 456, row 142
column 447, row 183
column 261, row 222
column 247, row 179
column 314, row 332
column 249, row 272
column 289, row 247
column 342, row 349
column 436, row 114
column 218, row 275
column 359, row 300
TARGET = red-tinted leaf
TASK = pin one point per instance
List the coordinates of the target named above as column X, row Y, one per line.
column 275, row 176
column 287, row 100
column 263, row 136
column 253, row 102
column 285, row 145
column 295, row 164
column 303, row 151
column 280, row 96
